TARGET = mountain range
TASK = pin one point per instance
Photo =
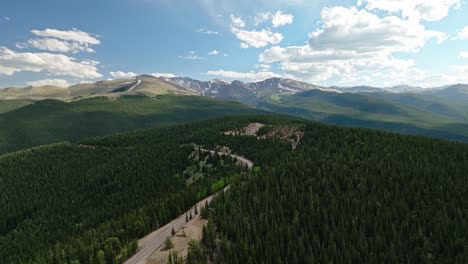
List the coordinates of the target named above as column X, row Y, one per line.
column 438, row 112
column 247, row 92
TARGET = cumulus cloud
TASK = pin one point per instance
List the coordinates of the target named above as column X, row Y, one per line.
column 350, row 44
column 214, row 52
column 63, row 41
column 122, row 75
column 428, row 10
column 52, row 82
column 280, row 19
column 69, row 35
column 277, row 19
column 54, row 64
column 164, row 75
column 361, row 31
column 257, row 39
column 253, row 38
column 463, row 34
column 464, row 55
column 262, row 17
column 56, row 45
column 256, row 76
column 237, row 21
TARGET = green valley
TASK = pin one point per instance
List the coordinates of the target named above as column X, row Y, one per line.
column 51, row 121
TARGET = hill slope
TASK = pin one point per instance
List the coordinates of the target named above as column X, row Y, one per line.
column 52, row 121
column 343, row 195
column 438, row 112
column 347, row 196
column 358, row 110
column 10, row 105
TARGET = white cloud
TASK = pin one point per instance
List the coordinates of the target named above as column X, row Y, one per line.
column 277, row 19
column 463, row 34
column 192, row 56
column 428, row 10
column 361, row 31
column 73, row 41
column 122, row 75
column 207, row 31
column 68, row 35
column 21, row 45
column 62, row 41
column 262, row 17
column 237, row 21
column 464, row 54
column 54, row 64
column 58, row 45
column 164, row 75
column 52, row 82
column 462, row 70
column 243, row 75
column 214, row 52
column 257, row 39
column 351, row 45
column 6, row 18
column 280, row 19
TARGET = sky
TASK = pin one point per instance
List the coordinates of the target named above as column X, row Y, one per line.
column 332, row 43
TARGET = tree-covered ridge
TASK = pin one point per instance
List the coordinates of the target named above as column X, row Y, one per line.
column 51, row 121
column 348, row 196
column 89, row 202
column 342, row 195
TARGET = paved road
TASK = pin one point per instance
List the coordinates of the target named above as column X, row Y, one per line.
column 243, row 161
column 154, row 240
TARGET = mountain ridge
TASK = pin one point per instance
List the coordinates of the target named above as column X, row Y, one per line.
column 213, row 88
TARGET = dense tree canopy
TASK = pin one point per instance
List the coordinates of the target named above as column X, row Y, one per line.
column 349, row 196
column 343, row 195
column 89, row 202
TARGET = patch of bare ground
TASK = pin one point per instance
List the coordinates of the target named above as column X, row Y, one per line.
column 289, row 133
column 193, row 230
column 250, row 130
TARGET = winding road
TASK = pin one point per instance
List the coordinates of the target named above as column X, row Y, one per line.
column 153, row 241
column 241, row 160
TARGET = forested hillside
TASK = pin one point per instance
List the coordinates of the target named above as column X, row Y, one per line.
column 87, row 203
column 343, row 195
column 52, row 121
column 348, row 196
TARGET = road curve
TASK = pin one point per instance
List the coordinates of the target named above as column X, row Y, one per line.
column 243, row 161
column 153, row 241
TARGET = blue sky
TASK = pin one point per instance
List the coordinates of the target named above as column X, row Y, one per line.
column 366, row 42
